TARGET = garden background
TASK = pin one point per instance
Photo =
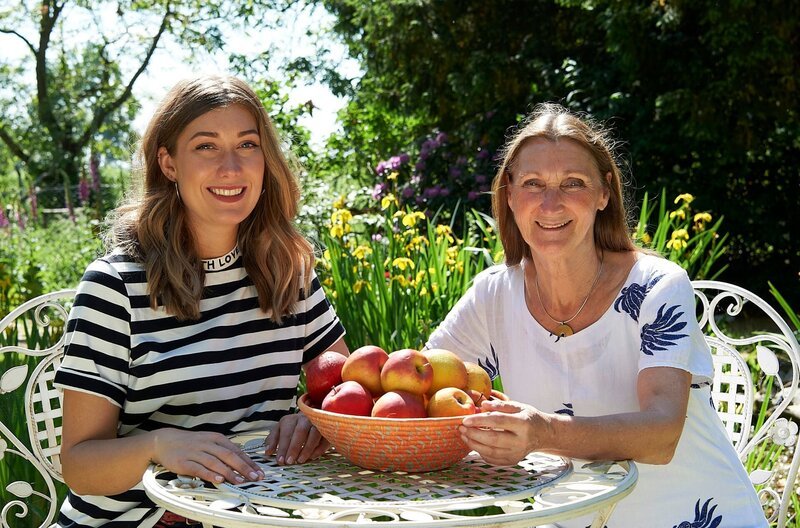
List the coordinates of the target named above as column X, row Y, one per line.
column 703, row 96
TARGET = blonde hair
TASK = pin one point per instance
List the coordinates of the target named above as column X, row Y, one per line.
column 152, row 227
column 553, row 122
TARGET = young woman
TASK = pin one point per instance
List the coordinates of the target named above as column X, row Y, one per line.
column 197, row 322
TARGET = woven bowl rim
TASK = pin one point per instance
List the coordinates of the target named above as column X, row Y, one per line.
column 430, row 421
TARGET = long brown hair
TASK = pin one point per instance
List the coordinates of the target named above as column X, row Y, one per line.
column 553, row 122
column 153, row 228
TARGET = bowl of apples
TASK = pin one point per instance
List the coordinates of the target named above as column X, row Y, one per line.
column 394, row 412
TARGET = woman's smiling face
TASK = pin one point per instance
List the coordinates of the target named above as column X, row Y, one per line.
column 219, row 166
column 555, row 191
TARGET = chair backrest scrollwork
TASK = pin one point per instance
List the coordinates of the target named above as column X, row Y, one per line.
column 755, row 381
column 35, row 336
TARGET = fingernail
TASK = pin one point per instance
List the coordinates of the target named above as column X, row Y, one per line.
column 290, row 460
column 239, row 478
column 219, row 478
column 280, row 460
column 261, row 474
column 253, row 475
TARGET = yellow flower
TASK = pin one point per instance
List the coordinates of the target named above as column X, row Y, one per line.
column 387, row 201
column 420, row 275
column 702, row 217
column 685, row 197
column 410, row 220
column 359, row 285
column 337, row 231
column 499, row 256
column 678, row 240
column 646, row 238
column 444, row 232
column 326, row 255
column 361, row 252
column 402, row 263
column 392, row 176
column 340, row 203
column 398, row 214
column 435, row 287
column 400, row 280
column 680, row 213
column 341, row 216
column 423, row 291
column 328, row 282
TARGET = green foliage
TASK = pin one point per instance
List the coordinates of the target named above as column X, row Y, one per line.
column 37, row 259
column 683, row 236
column 704, row 94
column 394, row 277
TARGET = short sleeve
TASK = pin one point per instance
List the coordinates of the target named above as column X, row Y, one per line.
column 464, row 329
column 323, row 327
column 669, row 331
column 98, row 343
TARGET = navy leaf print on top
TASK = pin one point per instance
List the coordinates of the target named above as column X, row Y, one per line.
column 662, row 332
column 631, row 297
column 568, row 410
column 703, row 518
column 492, row 368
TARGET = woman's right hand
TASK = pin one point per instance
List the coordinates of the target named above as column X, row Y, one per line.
column 209, row 456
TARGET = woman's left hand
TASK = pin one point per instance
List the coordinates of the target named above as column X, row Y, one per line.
column 504, row 432
column 294, row 440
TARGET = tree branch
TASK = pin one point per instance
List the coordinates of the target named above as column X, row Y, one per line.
column 13, row 146
column 44, row 107
column 21, row 37
column 102, row 112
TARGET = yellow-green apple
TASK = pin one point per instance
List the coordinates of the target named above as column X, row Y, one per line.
column 407, row 370
column 399, row 404
column 322, row 374
column 477, row 379
column 349, row 397
column 448, row 370
column 364, row 366
column 450, row 401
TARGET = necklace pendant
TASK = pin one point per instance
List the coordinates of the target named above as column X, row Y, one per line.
column 564, row 330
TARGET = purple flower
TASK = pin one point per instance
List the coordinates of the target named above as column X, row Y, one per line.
column 34, row 198
column 480, row 178
column 404, row 158
column 408, row 192
column 454, row 173
column 482, row 154
column 473, row 195
column 431, row 192
column 395, row 162
column 483, row 188
column 20, row 221
column 378, row 190
column 415, row 180
column 94, row 165
column 3, row 219
column 381, row 168
column 83, row 191
column 420, row 200
column 377, row 237
column 461, row 161
column 444, row 191
column 441, row 138
column 420, row 166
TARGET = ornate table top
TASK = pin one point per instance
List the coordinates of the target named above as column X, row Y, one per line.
column 332, row 492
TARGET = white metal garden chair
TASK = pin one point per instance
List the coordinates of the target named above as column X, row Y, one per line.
column 733, row 395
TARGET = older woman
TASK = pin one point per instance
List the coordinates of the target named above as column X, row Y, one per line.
column 597, row 337
column 197, row 322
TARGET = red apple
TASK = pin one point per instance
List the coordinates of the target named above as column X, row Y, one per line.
column 399, row 404
column 364, row 366
column 478, row 379
column 448, row 370
column 477, row 397
column 322, row 374
column 349, row 397
column 407, row 370
column 450, row 401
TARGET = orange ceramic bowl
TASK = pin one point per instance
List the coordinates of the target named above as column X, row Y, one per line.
column 390, row 444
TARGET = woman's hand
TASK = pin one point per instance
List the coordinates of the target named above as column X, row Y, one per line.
column 505, row 432
column 210, row 456
column 295, row 440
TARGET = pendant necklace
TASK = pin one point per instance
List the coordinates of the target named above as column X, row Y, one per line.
column 564, row 329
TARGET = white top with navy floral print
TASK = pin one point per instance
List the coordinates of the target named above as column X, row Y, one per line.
column 651, row 323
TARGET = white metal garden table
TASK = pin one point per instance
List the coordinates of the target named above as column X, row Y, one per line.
column 330, row 492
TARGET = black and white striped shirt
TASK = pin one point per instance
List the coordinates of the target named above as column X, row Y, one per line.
column 232, row 370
